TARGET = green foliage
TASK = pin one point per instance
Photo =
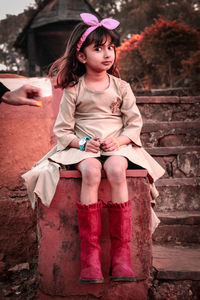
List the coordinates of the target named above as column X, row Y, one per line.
column 165, row 45
column 135, row 15
column 191, row 71
column 105, row 8
column 156, row 58
column 9, row 29
column 129, row 58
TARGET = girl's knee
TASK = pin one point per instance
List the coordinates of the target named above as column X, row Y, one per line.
column 116, row 173
column 91, row 175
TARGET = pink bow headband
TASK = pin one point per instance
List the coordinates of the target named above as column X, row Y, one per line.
column 91, row 20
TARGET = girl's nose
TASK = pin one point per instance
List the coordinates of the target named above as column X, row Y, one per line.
column 106, row 53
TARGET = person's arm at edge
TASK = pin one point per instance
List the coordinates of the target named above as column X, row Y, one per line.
column 25, row 95
column 3, row 90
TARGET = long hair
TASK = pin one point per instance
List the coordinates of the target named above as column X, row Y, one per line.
column 67, row 69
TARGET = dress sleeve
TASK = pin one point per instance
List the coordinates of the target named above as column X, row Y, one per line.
column 65, row 122
column 132, row 119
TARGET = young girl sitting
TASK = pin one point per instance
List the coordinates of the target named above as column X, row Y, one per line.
column 98, row 126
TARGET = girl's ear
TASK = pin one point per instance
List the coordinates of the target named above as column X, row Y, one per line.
column 81, row 57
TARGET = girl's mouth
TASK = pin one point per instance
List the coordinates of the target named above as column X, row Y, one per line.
column 106, row 63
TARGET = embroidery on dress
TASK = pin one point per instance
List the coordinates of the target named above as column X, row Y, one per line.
column 115, row 105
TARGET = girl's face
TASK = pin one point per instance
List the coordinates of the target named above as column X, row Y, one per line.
column 98, row 58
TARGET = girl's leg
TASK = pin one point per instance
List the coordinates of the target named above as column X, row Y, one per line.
column 89, row 221
column 119, row 219
column 90, row 169
column 115, row 168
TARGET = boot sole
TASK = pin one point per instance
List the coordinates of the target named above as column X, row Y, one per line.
column 97, row 280
column 129, row 279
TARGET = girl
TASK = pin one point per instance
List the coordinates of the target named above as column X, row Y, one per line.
column 98, row 126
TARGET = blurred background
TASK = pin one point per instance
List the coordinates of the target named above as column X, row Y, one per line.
column 159, row 39
column 159, row 54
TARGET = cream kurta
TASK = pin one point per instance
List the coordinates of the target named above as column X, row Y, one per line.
column 83, row 112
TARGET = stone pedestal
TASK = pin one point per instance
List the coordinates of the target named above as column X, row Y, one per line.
column 59, row 245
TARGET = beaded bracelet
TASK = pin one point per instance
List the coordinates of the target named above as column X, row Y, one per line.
column 117, row 142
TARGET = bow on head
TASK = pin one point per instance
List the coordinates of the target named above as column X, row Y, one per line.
column 92, row 20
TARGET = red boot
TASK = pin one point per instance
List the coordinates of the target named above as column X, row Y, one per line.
column 89, row 221
column 120, row 233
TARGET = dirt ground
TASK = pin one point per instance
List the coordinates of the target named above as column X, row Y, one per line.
column 19, row 283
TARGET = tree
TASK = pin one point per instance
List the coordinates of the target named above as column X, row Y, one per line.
column 191, row 71
column 105, row 8
column 131, row 63
column 135, row 15
column 9, row 29
column 165, row 45
column 155, row 58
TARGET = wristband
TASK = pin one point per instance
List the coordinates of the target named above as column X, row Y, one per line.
column 83, row 142
column 116, row 142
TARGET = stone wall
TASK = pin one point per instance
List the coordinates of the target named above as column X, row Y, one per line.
column 171, row 134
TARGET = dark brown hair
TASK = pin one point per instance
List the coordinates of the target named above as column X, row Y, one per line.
column 67, row 69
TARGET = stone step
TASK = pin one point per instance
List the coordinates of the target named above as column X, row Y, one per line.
column 167, row 99
column 179, row 228
column 164, row 108
column 178, row 194
column 170, row 182
column 179, row 188
column 179, row 162
column 170, row 133
column 180, row 218
column 177, row 126
column 166, row 151
column 176, row 262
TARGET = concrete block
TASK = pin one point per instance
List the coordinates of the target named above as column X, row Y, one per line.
column 59, row 254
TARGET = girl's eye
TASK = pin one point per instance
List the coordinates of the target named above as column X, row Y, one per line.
column 110, row 47
column 98, row 49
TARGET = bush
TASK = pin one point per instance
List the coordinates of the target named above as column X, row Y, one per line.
column 157, row 58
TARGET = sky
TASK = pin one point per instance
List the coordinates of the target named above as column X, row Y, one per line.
column 13, row 7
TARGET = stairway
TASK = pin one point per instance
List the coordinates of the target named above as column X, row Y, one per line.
column 171, row 134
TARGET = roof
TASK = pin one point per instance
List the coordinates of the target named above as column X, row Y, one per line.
column 60, row 10
column 54, row 11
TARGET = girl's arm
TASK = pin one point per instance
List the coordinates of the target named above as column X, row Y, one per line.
column 65, row 122
column 74, row 143
column 92, row 145
column 132, row 119
column 112, row 144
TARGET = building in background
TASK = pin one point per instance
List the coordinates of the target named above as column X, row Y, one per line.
column 44, row 38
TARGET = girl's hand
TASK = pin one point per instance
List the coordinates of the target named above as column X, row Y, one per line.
column 93, row 145
column 110, row 144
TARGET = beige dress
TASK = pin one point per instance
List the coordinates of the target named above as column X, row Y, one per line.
column 84, row 112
